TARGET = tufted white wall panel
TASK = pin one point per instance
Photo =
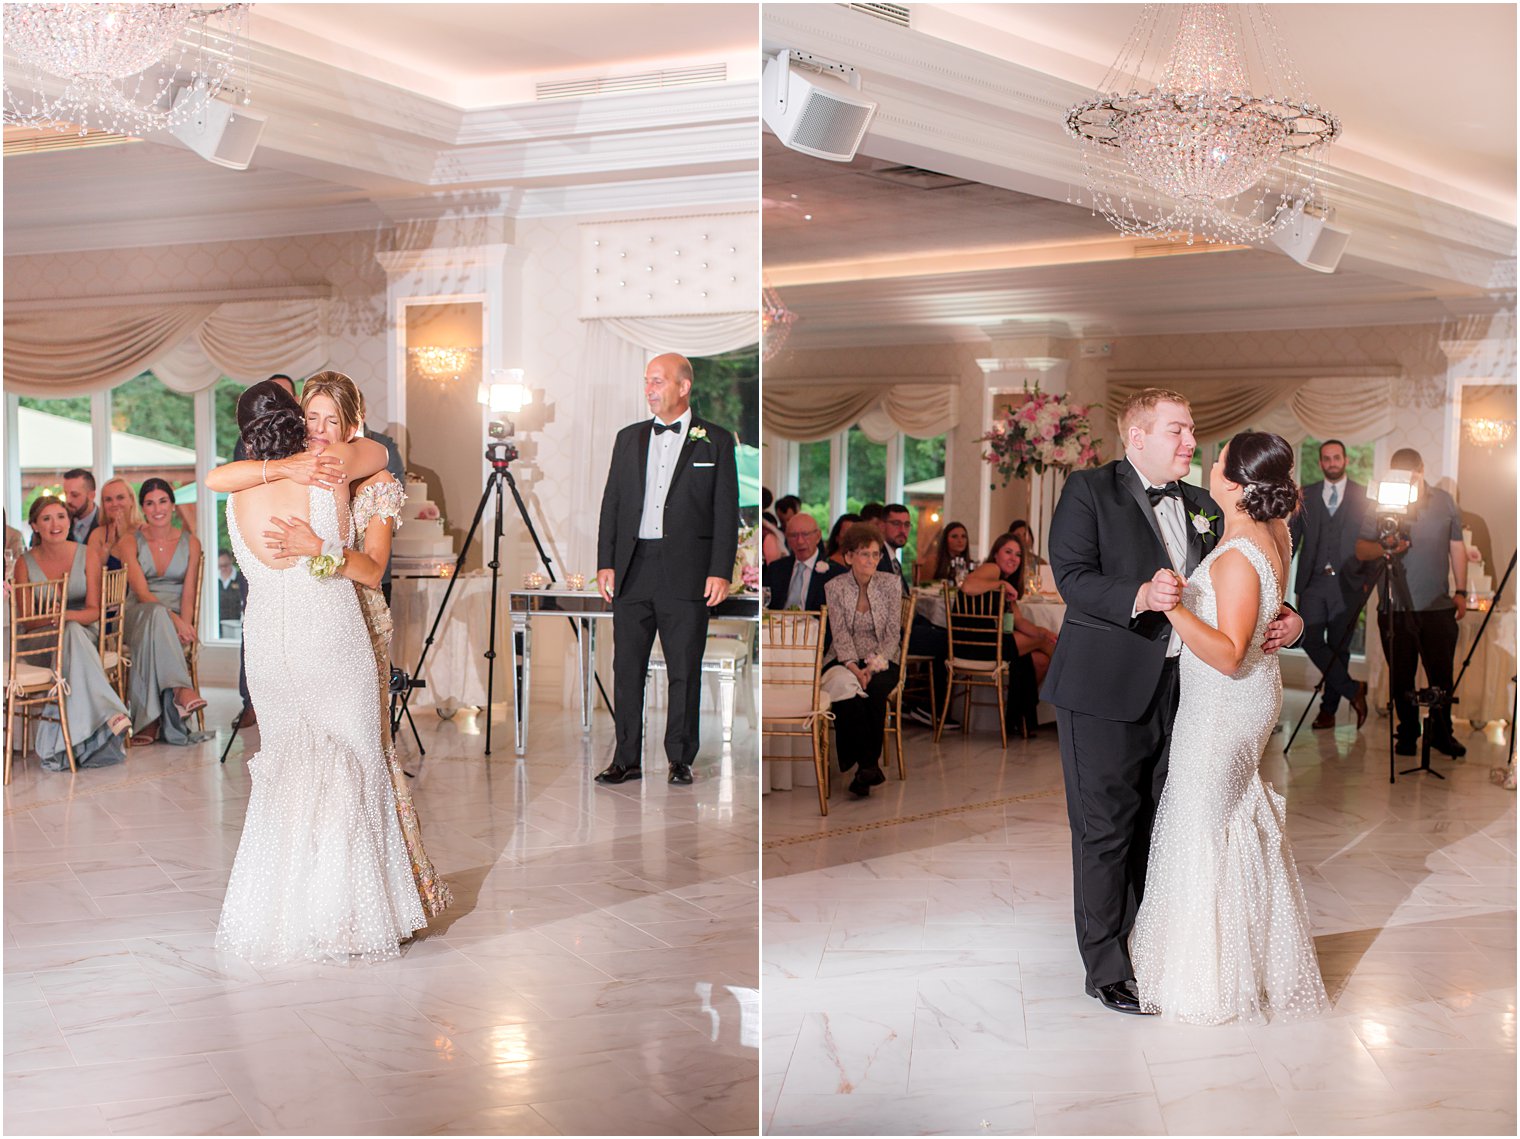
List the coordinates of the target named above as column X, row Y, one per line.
column 669, row 266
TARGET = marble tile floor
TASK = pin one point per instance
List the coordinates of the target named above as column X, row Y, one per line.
column 596, row 974
column 920, row 974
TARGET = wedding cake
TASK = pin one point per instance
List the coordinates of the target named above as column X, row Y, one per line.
column 421, row 533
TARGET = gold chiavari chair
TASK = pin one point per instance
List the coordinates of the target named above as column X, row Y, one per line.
column 894, row 703
column 791, row 659
column 975, row 626
column 34, row 676
column 112, row 627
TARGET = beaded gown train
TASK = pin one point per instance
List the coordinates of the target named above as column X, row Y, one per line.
column 1223, row 931
column 322, row 870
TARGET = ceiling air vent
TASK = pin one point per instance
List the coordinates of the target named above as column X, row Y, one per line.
column 916, row 178
column 32, row 140
column 891, row 13
column 623, row 84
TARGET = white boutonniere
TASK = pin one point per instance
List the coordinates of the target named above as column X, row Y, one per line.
column 697, row 432
column 1203, row 524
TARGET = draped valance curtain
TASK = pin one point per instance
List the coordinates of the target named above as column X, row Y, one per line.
column 1354, row 404
column 813, row 409
column 76, row 348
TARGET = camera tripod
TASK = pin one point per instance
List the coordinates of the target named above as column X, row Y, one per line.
column 500, row 455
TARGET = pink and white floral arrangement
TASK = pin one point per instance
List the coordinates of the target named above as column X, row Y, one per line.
column 1043, row 433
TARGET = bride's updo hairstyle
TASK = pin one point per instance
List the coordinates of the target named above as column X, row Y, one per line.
column 1262, row 465
column 271, row 421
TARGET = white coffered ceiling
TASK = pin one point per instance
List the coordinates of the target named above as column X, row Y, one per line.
column 386, row 112
column 1424, row 178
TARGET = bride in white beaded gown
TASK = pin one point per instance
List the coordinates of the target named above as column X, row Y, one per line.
column 1223, row 932
column 322, row 870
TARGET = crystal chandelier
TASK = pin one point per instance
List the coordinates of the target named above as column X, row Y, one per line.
column 1218, row 145
column 437, row 363
column 121, row 67
column 776, row 322
column 1489, row 432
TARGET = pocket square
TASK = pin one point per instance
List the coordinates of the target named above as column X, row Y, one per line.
column 704, row 464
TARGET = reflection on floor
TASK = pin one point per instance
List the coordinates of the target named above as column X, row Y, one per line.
column 596, row 975
column 920, row 975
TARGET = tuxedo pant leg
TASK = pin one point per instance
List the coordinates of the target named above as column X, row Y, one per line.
column 1114, row 773
column 242, row 657
column 633, row 630
column 683, row 638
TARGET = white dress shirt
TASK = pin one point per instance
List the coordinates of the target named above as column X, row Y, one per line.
column 664, row 451
column 1171, row 517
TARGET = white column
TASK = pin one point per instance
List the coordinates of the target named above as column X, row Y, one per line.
column 13, row 460
column 839, row 464
column 100, row 436
column 896, row 454
column 205, row 511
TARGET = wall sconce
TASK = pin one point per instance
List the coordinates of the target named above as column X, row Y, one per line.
column 1489, row 432
column 438, row 363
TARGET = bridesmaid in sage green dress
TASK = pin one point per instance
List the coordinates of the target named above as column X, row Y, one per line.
column 97, row 717
column 160, row 602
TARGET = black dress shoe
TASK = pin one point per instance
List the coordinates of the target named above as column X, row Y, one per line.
column 1120, row 996
column 1447, row 746
column 679, row 773
column 615, row 774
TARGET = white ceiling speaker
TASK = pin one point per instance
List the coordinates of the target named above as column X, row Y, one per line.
column 1311, row 239
column 814, row 105
column 219, row 132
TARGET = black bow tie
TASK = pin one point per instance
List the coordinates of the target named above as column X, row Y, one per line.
column 1157, row 493
column 661, row 428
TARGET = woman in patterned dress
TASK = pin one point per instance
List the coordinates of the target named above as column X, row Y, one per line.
column 334, row 413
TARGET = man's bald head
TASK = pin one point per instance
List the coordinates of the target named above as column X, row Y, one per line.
column 667, row 386
column 802, row 536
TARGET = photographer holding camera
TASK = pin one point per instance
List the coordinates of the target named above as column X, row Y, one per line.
column 1422, row 626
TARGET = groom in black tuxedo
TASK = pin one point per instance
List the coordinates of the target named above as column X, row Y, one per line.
column 1117, row 535
column 665, row 551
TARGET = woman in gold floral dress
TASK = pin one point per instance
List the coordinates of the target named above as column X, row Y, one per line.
column 334, row 412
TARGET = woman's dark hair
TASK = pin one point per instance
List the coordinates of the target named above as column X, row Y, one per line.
column 149, row 486
column 942, row 550
column 859, row 536
column 1017, row 580
column 839, row 524
column 271, row 421
column 1262, row 465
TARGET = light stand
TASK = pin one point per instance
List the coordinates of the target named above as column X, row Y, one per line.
column 1342, row 650
column 500, row 455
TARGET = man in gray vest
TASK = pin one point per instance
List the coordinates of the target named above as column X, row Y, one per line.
column 1330, row 581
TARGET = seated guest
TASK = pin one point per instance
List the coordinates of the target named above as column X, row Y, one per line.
column 1021, row 530
column 229, row 587
column 96, row 716
column 772, row 543
column 786, row 506
column 1026, row 646
column 865, row 624
column 842, row 525
column 951, row 554
column 872, row 512
column 796, row 581
column 121, row 519
column 79, row 501
column 15, row 545
column 163, row 574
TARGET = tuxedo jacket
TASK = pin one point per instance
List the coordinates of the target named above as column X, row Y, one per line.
column 1322, row 540
column 701, row 523
column 777, row 577
column 1105, row 542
